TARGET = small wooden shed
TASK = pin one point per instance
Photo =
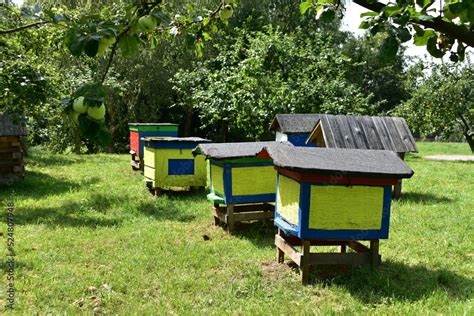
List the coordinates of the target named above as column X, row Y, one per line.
column 242, row 185
column 11, row 150
column 294, row 128
column 169, row 162
column 140, row 130
column 331, row 196
column 364, row 132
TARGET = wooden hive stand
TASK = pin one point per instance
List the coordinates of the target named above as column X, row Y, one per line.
column 11, row 150
column 231, row 214
column 304, row 258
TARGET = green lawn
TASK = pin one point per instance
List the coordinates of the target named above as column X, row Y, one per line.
column 85, row 221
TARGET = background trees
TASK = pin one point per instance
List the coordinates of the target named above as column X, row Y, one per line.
column 268, row 58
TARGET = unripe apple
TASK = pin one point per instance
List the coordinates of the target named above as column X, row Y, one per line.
column 79, row 106
column 104, row 43
column 226, row 12
column 147, row 23
column 96, row 113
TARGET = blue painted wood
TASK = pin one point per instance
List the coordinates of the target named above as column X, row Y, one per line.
column 180, row 166
column 303, row 231
column 227, row 182
column 255, row 198
column 299, row 139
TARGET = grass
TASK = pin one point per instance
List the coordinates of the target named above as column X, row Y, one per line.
column 85, row 221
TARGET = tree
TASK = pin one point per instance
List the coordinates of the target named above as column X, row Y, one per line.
column 449, row 29
column 442, row 102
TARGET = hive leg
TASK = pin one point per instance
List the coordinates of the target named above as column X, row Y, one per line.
column 304, row 264
column 230, row 217
column 374, row 253
column 280, row 253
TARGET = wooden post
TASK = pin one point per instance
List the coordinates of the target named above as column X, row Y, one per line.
column 157, row 191
column 280, row 253
column 343, row 248
column 374, row 253
column 216, row 219
column 397, row 188
column 230, row 217
column 304, row 265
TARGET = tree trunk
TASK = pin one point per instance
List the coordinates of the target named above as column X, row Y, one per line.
column 188, row 122
column 470, row 141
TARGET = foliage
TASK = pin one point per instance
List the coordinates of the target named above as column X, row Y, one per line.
column 441, row 31
column 442, row 101
column 264, row 73
column 89, row 221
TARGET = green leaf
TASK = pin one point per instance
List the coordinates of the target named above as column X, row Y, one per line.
column 364, row 25
column 433, row 49
column 403, row 19
column 403, row 34
column 425, row 17
column 424, row 3
column 304, row 6
column 103, row 137
column 392, row 10
column 369, row 14
column 388, row 50
column 422, row 37
column 456, row 8
column 129, row 45
column 91, row 46
column 74, row 41
column 461, row 50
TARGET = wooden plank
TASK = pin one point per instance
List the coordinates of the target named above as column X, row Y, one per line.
column 217, row 213
column 374, row 253
column 370, row 131
column 340, row 258
column 326, row 127
column 280, row 253
column 288, row 249
column 305, row 260
column 254, row 207
column 394, row 135
column 358, row 133
column 344, row 126
column 243, row 217
column 357, row 246
column 229, row 218
column 383, row 133
column 405, row 134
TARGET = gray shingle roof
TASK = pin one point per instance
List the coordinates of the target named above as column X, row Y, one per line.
column 366, row 132
column 294, row 123
column 233, row 150
column 176, row 139
column 7, row 128
column 340, row 162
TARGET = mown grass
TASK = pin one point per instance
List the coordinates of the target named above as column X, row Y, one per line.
column 86, row 221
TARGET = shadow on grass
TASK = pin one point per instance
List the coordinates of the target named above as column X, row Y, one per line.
column 396, row 281
column 173, row 205
column 424, row 198
column 51, row 160
column 38, row 185
column 90, row 212
column 261, row 233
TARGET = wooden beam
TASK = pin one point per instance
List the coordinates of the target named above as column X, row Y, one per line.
column 340, row 258
column 244, row 217
column 288, row 249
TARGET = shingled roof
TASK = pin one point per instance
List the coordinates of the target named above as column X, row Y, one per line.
column 7, row 128
column 234, row 150
column 346, row 162
column 294, row 123
column 363, row 132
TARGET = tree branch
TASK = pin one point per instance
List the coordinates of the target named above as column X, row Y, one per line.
column 466, row 126
column 23, row 27
column 456, row 31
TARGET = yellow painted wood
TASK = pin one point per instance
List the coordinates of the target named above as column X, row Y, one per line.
column 156, row 168
column 346, row 207
column 253, row 180
column 217, row 176
column 288, row 197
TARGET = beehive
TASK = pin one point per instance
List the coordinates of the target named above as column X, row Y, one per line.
column 11, row 150
column 140, row 130
column 169, row 162
column 333, row 197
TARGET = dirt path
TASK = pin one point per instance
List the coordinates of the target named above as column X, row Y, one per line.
column 450, row 157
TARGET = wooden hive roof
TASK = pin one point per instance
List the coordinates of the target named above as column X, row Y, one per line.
column 294, row 123
column 339, row 162
column 363, row 132
column 234, row 150
column 152, row 124
column 8, row 128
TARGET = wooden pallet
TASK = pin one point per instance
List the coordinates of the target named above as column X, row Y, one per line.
column 230, row 214
column 304, row 258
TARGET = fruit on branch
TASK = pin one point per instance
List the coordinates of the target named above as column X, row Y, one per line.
column 78, row 105
column 74, row 117
column 104, row 43
column 96, row 113
column 226, row 12
column 147, row 23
